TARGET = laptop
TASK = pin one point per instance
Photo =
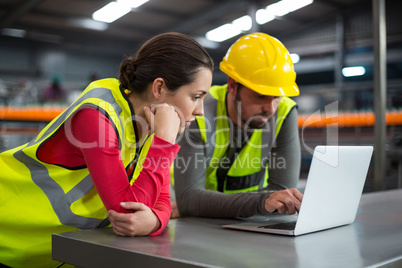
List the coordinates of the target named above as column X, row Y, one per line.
column 331, row 198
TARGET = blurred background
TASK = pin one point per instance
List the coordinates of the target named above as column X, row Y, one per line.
column 51, row 49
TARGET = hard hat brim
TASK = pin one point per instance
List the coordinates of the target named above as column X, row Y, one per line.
column 280, row 91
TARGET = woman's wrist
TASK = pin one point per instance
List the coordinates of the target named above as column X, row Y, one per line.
column 157, row 224
column 166, row 137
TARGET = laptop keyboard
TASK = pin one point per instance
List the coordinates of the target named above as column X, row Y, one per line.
column 282, row 226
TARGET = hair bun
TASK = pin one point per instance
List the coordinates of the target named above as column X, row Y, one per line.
column 127, row 72
column 129, row 67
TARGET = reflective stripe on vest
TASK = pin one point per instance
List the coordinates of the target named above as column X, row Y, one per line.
column 249, row 171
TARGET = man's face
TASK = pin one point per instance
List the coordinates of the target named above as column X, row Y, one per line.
column 254, row 109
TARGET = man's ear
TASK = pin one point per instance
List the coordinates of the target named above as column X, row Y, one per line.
column 158, row 88
column 232, row 86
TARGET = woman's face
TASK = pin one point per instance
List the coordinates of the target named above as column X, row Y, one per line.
column 188, row 100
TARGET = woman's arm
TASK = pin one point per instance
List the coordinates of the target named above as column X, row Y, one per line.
column 108, row 172
column 132, row 224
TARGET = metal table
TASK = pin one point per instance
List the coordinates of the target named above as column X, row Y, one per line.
column 374, row 239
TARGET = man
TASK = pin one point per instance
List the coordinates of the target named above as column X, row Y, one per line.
column 243, row 156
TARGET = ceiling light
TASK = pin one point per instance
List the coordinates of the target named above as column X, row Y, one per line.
column 244, row 23
column 14, row 32
column 111, row 12
column 89, row 24
column 223, row 32
column 230, row 30
column 132, row 3
column 295, row 58
column 279, row 9
column 297, row 4
column 115, row 10
column 353, row 71
column 262, row 16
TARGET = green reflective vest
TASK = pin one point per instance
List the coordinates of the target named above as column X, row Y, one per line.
column 38, row 198
column 249, row 169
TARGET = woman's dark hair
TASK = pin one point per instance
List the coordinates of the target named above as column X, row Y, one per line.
column 175, row 57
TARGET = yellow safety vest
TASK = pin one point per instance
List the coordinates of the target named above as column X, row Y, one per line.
column 249, row 170
column 38, row 198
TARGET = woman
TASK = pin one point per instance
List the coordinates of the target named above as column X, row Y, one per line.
column 98, row 153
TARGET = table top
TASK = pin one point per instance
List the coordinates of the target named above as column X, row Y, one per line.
column 374, row 239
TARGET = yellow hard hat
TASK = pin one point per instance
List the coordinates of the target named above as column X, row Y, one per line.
column 261, row 63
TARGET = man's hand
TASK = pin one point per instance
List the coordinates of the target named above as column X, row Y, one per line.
column 175, row 211
column 142, row 221
column 288, row 200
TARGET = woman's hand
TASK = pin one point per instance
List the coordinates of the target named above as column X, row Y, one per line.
column 164, row 121
column 142, row 221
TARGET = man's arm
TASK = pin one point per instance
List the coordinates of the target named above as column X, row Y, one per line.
column 284, row 170
column 189, row 182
